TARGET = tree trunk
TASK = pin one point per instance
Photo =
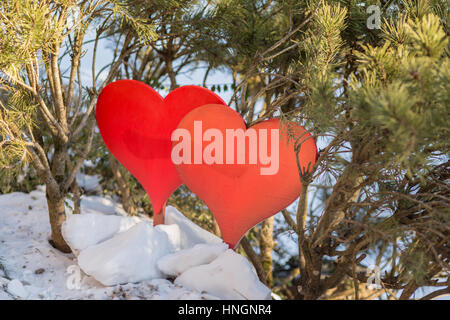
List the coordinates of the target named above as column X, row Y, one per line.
column 171, row 73
column 125, row 192
column 266, row 245
column 76, row 197
column 57, row 214
column 216, row 229
column 254, row 258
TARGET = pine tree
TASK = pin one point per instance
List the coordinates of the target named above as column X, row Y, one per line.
column 47, row 119
column 378, row 103
column 376, row 100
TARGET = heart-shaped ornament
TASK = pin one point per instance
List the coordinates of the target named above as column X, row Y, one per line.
column 241, row 185
column 136, row 124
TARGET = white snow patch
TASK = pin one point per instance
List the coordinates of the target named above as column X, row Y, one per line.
column 16, row 288
column 89, row 183
column 5, row 296
column 84, row 230
column 228, row 277
column 191, row 234
column 275, row 296
column 130, row 256
column 176, row 263
column 173, row 233
column 97, row 204
column 88, row 164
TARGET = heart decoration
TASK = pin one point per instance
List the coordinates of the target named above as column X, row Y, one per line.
column 136, row 124
column 239, row 195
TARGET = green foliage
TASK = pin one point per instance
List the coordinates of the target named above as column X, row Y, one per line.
column 323, row 42
column 192, row 207
column 403, row 94
column 427, row 38
column 138, row 21
column 27, row 27
column 18, row 115
column 377, row 101
column 32, row 32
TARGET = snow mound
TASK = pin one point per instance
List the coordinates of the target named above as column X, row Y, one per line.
column 84, row 230
column 228, row 277
column 89, row 183
column 97, row 204
column 191, row 234
column 100, row 221
column 16, row 288
column 129, row 256
column 181, row 249
column 173, row 233
column 176, row 263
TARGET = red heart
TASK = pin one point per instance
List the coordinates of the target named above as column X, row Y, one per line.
column 136, row 124
column 238, row 195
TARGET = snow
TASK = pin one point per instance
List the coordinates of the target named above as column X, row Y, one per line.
column 16, row 288
column 96, row 204
column 84, row 230
column 173, row 233
column 229, row 277
column 191, row 234
column 176, row 263
column 115, row 256
column 89, row 183
column 130, row 256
